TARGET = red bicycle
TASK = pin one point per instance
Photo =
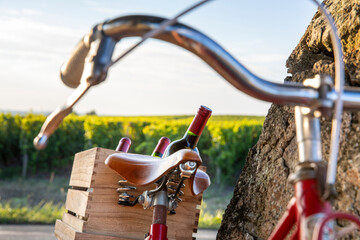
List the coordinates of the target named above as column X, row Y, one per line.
column 310, row 209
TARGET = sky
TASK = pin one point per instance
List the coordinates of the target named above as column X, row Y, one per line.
column 157, row 78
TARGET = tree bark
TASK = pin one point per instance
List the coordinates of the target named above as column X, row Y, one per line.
column 262, row 192
column 25, row 160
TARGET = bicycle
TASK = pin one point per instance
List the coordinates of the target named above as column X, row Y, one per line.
column 310, row 209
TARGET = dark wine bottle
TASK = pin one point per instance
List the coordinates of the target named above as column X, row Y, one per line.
column 192, row 135
column 124, row 145
column 161, row 147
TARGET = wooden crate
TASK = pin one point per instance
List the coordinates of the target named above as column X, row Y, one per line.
column 93, row 212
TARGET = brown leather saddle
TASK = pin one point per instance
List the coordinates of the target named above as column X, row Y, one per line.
column 141, row 170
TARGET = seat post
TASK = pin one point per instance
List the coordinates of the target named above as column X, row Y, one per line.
column 158, row 229
column 161, row 204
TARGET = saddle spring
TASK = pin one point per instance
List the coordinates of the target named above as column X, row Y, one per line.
column 174, row 186
column 125, row 198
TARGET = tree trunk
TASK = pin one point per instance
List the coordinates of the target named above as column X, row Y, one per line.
column 262, row 192
column 25, row 160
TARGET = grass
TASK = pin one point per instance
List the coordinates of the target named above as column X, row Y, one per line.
column 215, row 200
column 41, row 201
column 34, row 200
column 210, row 220
column 32, row 191
column 12, row 212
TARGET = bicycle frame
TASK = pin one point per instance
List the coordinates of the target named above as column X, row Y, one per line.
column 306, row 209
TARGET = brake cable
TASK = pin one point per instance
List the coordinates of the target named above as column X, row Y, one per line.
column 156, row 31
column 330, row 191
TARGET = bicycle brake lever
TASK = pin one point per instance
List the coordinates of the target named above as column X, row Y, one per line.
column 55, row 118
column 95, row 72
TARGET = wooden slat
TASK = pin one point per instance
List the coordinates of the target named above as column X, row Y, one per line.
column 105, row 201
column 185, row 210
column 136, row 225
column 73, row 221
column 77, row 201
column 82, row 170
column 88, row 165
column 181, row 226
column 132, row 226
column 105, row 180
column 63, row 231
column 66, row 232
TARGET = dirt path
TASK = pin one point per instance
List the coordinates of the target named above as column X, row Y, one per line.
column 29, row 232
column 46, row 232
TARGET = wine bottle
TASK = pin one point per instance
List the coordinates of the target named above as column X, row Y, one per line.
column 124, row 145
column 160, row 147
column 192, row 135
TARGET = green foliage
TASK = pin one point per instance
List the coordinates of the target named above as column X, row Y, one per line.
column 231, row 141
column 102, row 132
column 66, row 141
column 173, row 129
column 214, row 202
column 223, row 146
column 17, row 211
column 208, row 219
column 10, row 127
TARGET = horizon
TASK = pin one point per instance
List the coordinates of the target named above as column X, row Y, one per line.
column 4, row 111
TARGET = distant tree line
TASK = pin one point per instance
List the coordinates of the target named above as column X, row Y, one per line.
column 223, row 145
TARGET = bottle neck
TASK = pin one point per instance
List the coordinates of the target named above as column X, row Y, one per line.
column 124, row 145
column 192, row 139
column 192, row 135
column 197, row 126
column 161, row 147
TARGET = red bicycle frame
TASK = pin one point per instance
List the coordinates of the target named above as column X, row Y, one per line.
column 304, row 205
column 157, row 232
column 306, row 210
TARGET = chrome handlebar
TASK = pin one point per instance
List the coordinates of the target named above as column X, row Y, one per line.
column 223, row 63
column 215, row 56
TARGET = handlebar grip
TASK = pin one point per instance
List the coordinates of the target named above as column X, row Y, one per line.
column 71, row 71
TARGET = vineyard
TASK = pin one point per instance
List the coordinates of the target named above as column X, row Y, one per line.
column 223, row 146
